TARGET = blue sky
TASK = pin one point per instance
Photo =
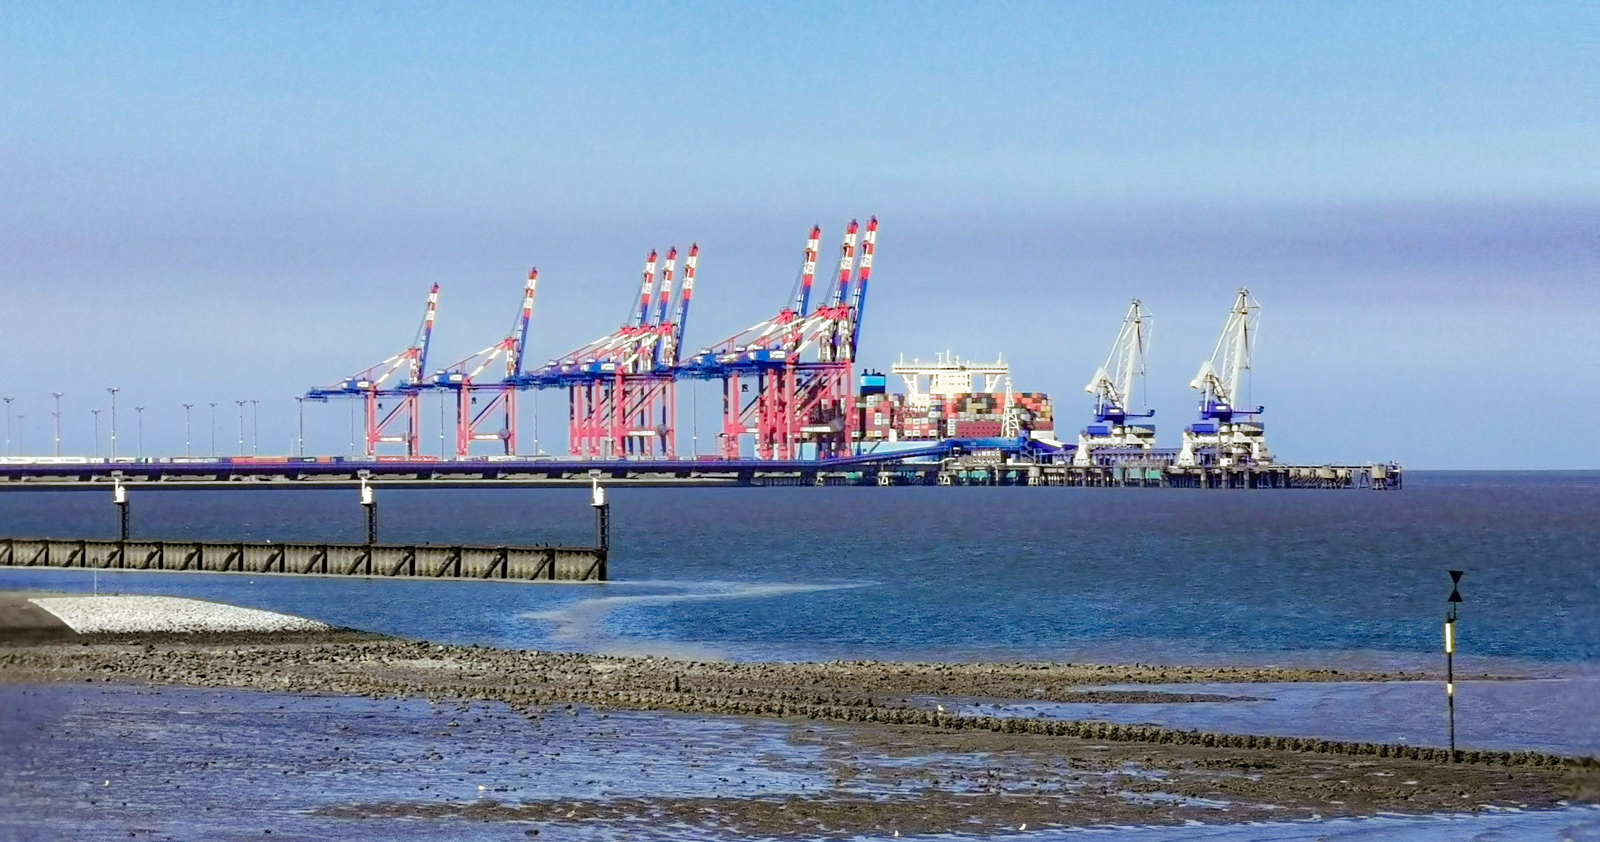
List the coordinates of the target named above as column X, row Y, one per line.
column 229, row 201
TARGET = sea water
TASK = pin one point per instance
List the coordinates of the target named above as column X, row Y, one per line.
column 1325, row 578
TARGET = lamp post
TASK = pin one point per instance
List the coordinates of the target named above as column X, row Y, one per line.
column 138, row 411
column 113, row 390
column 96, row 432
column 300, row 435
column 255, row 428
column 1450, row 657
column 241, row 425
column 8, row 424
column 186, row 408
column 57, row 415
column 213, row 429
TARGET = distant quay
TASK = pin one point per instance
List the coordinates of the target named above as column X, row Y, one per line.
column 950, row 462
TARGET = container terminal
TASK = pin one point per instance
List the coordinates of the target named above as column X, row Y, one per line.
column 794, row 409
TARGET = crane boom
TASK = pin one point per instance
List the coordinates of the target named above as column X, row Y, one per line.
column 370, row 386
column 869, row 245
column 411, row 361
column 666, row 285
column 420, row 363
column 645, row 287
column 690, row 264
column 508, row 350
column 520, row 334
column 847, row 262
column 808, row 271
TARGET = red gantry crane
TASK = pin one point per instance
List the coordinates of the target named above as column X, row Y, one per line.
column 397, row 379
column 801, row 364
column 501, row 407
column 621, row 388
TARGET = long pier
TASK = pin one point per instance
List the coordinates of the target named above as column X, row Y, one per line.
column 536, row 563
column 423, row 561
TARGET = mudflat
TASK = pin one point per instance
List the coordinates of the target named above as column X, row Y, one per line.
column 901, row 764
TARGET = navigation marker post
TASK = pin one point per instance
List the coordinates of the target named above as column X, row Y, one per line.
column 602, row 518
column 369, row 501
column 119, row 496
column 1450, row 657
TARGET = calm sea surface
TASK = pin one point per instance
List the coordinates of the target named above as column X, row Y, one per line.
column 1315, row 577
column 1353, row 579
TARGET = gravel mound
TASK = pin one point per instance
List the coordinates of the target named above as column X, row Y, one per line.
column 136, row 614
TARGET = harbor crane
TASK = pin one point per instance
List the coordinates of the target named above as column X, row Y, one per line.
column 397, row 379
column 788, row 381
column 621, row 388
column 501, row 407
column 1227, row 435
column 1112, row 387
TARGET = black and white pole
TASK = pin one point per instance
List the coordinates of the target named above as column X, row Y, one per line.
column 119, row 496
column 1450, row 657
column 369, row 501
column 602, row 520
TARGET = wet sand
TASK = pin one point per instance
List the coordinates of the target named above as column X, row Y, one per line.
column 901, row 764
column 917, row 780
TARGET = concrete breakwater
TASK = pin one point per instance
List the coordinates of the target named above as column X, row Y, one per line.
column 523, row 563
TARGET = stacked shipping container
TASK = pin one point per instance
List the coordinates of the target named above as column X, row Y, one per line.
column 886, row 417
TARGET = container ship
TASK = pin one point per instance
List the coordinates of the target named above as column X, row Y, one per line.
column 949, row 398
